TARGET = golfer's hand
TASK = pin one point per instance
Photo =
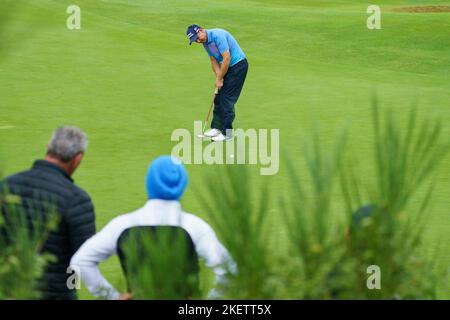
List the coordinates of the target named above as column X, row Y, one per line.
column 219, row 83
column 126, row 296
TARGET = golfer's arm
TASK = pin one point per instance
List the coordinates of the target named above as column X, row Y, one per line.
column 224, row 65
column 215, row 65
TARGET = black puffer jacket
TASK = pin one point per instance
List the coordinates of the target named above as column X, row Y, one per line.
column 43, row 182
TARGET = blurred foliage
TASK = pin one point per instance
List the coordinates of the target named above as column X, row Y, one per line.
column 389, row 234
column 240, row 220
column 171, row 265
column 329, row 258
column 21, row 239
column 315, row 239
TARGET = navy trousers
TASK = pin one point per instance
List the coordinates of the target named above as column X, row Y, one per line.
column 223, row 114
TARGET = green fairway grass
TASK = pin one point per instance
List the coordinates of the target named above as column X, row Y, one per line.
column 129, row 78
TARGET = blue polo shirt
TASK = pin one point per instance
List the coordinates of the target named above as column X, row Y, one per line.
column 219, row 41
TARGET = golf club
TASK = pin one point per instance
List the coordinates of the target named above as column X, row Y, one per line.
column 216, row 91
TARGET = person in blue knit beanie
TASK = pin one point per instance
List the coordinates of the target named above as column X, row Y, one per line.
column 166, row 179
column 165, row 183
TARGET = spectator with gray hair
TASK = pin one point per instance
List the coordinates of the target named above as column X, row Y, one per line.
column 49, row 182
column 67, row 143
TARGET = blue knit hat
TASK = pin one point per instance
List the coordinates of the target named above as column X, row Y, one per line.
column 166, row 178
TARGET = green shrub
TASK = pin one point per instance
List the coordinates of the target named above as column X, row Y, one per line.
column 21, row 262
column 315, row 238
column 159, row 264
column 239, row 215
column 390, row 235
column 327, row 257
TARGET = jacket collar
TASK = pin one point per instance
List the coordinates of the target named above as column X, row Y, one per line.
column 165, row 212
column 174, row 205
column 52, row 167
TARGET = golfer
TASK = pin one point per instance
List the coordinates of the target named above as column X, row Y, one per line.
column 230, row 68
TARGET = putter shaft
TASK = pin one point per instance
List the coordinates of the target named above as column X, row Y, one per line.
column 210, row 108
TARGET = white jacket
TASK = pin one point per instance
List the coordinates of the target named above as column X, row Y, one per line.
column 153, row 213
